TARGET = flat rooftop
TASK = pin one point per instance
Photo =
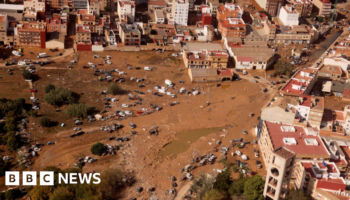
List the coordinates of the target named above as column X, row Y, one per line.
column 298, row 133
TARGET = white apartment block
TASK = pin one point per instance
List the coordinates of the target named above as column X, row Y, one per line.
column 34, row 5
column 289, row 16
column 180, row 12
column 126, row 11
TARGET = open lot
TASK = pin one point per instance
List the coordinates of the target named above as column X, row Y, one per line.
column 230, row 103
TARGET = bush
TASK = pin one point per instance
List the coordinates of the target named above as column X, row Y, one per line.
column 60, row 96
column 49, row 87
column 98, row 148
column 258, row 118
column 12, row 141
column 7, row 105
column 235, row 169
column 27, row 75
column 12, row 194
column 45, row 122
column 78, row 110
column 114, row 89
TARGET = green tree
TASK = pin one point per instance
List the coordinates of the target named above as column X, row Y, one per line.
column 235, row 169
column 41, row 192
column 214, row 194
column 237, row 187
column 10, row 123
column 60, row 96
column 114, row 89
column 223, row 180
column 111, row 183
column 202, row 184
column 98, row 148
column 12, row 141
column 12, row 194
column 49, row 87
column 283, row 67
column 7, row 105
column 298, row 194
column 27, row 75
column 320, row 19
column 45, row 122
column 254, row 188
column 61, row 193
column 78, row 110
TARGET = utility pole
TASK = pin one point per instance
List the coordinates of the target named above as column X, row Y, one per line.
column 335, row 7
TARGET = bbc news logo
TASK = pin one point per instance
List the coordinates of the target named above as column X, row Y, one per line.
column 12, row 178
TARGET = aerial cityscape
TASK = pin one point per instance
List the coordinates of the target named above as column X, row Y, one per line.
column 175, row 99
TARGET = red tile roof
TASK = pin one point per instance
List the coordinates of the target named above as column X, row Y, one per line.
column 301, row 148
column 289, row 87
column 225, row 72
column 331, row 184
column 244, row 59
column 338, row 115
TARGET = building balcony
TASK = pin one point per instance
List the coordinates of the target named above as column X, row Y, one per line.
column 273, row 183
column 271, row 194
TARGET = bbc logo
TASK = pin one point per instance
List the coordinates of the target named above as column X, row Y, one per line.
column 12, row 178
column 29, row 178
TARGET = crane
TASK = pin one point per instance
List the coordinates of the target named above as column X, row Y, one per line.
column 335, row 7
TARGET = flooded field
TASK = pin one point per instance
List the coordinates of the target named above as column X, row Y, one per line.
column 185, row 139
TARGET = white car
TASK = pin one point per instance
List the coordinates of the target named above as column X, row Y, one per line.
column 164, row 88
column 147, row 68
column 132, row 78
column 76, row 129
column 174, row 54
column 128, row 112
column 169, row 93
column 238, row 153
column 125, row 105
column 149, row 91
column 195, row 92
column 144, row 109
column 244, row 157
column 109, row 62
column 156, row 87
column 256, row 155
column 109, row 57
column 121, row 114
column 116, row 70
column 122, row 73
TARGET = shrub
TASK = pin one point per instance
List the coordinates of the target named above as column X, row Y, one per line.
column 49, row 87
column 12, row 141
column 78, row 110
column 235, row 169
column 45, row 122
column 114, row 89
column 98, row 148
column 60, row 96
column 258, row 118
column 27, row 75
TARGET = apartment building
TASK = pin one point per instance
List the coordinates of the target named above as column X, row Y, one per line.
column 58, row 3
column 94, row 8
column 130, row 35
column 304, row 142
column 323, row 7
column 328, row 72
column 3, row 28
column 35, row 5
column 154, row 5
column 206, row 59
column 300, row 83
column 86, row 20
column 126, row 11
column 180, row 12
column 289, row 16
column 230, row 23
column 80, row 4
column 83, row 34
column 55, row 24
column 31, row 34
column 271, row 6
column 303, row 7
column 279, row 174
column 103, row 3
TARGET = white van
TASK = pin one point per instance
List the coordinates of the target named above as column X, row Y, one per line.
column 168, row 82
column 42, row 55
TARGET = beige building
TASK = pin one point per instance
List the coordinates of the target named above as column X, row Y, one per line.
column 304, row 142
column 206, row 59
column 130, row 34
column 304, row 7
column 83, row 34
column 323, row 7
column 279, row 174
column 328, row 72
column 209, row 75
